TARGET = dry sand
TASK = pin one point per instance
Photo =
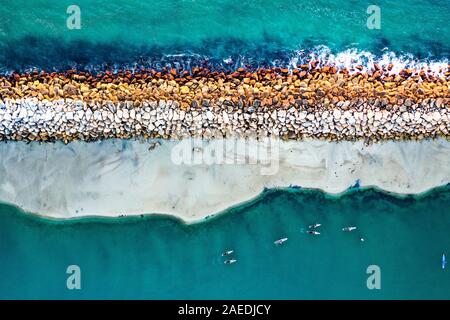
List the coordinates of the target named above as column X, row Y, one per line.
column 124, row 177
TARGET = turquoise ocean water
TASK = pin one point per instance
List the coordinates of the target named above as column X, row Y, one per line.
column 158, row 257
column 34, row 33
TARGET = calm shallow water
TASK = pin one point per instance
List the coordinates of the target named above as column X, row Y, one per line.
column 158, row 257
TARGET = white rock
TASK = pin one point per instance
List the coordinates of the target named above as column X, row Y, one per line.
column 209, row 115
column 98, row 115
column 273, row 115
column 378, row 116
column 69, row 115
column 226, row 120
column 302, row 115
column 427, row 117
column 337, row 114
column 88, row 114
column 351, row 121
column 436, row 116
column 23, row 113
column 80, row 114
column 405, row 116
column 48, row 115
column 7, row 117
column 347, row 114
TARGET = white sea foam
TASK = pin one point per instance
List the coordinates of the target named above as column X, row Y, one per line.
column 348, row 59
column 351, row 58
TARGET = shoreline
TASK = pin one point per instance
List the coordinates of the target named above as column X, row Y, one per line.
column 238, row 206
column 123, row 177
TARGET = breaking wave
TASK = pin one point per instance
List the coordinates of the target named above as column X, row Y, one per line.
column 354, row 60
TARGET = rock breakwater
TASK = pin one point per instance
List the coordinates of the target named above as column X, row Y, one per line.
column 310, row 101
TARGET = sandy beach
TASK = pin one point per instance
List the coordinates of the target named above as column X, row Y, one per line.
column 184, row 179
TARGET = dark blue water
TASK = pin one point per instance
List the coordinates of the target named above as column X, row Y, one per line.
column 248, row 32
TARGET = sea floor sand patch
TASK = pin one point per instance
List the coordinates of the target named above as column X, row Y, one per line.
column 123, row 177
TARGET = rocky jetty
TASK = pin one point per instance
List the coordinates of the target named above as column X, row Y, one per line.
column 310, row 101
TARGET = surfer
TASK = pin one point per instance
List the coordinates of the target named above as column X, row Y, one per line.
column 227, row 253
column 280, row 241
